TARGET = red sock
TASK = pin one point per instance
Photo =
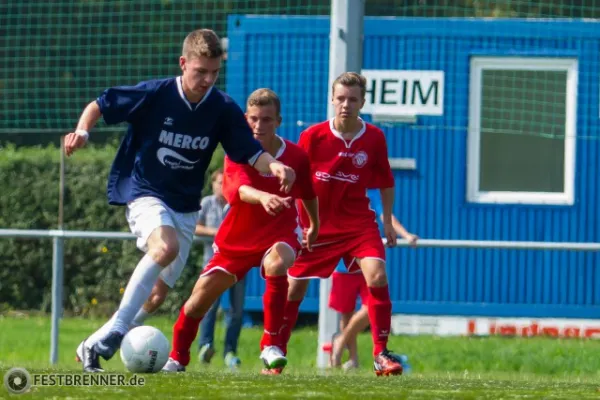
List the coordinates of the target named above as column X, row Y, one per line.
column 274, row 300
column 184, row 333
column 289, row 321
column 380, row 317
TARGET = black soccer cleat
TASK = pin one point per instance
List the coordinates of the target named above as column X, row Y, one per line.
column 90, row 359
column 108, row 346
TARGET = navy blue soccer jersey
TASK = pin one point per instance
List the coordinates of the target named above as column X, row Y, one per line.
column 170, row 142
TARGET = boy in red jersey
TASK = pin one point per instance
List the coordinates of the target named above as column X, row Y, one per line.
column 349, row 156
column 260, row 229
column 346, row 288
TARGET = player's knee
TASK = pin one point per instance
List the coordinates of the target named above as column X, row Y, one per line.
column 275, row 267
column 374, row 272
column 163, row 245
column 193, row 307
column 376, row 277
column 164, row 252
column 279, row 259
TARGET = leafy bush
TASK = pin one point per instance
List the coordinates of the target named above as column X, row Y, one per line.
column 95, row 271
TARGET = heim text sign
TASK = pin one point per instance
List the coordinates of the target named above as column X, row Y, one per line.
column 404, row 93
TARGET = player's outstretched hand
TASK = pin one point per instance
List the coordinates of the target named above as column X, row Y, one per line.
column 285, row 174
column 390, row 235
column 309, row 237
column 274, row 204
column 74, row 141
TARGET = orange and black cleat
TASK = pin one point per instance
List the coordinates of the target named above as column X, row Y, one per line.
column 387, row 363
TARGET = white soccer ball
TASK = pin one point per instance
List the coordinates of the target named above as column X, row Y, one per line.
column 145, row 349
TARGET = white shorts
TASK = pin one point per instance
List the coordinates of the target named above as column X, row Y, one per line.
column 145, row 214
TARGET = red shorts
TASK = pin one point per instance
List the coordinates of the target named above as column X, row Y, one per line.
column 239, row 266
column 345, row 289
column 321, row 262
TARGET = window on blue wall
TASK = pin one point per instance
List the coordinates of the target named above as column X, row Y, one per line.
column 522, row 130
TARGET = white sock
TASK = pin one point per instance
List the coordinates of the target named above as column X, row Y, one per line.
column 101, row 333
column 136, row 293
column 139, row 318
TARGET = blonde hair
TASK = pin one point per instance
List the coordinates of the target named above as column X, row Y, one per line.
column 351, row 79
column 264, row 97
column 202, row 43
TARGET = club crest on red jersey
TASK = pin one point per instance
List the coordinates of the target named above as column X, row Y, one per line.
column 360, row 159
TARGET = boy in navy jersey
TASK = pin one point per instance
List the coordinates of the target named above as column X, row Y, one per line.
column 158, row 173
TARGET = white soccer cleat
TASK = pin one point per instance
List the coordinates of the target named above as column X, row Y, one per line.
column 173, row 366
column 349, row 365
column 273, row 357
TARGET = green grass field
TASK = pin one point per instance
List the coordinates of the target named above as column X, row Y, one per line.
column 442, row 368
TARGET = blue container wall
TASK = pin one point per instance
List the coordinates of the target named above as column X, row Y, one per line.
column 290, row 55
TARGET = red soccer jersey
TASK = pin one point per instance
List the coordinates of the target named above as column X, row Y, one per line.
column 342, row 171
column 247, row 228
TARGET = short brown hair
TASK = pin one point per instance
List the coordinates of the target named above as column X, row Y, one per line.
column 215, row 174
column 351, row 79
column 202, row 43
column 264, row 97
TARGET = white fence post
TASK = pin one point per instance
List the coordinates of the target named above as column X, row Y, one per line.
column 57, row 294
column 345, row 54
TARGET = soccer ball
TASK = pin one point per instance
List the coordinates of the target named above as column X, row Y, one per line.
column 144, row 349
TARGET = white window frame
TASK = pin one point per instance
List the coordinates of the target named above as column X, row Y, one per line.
column 478, row 64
